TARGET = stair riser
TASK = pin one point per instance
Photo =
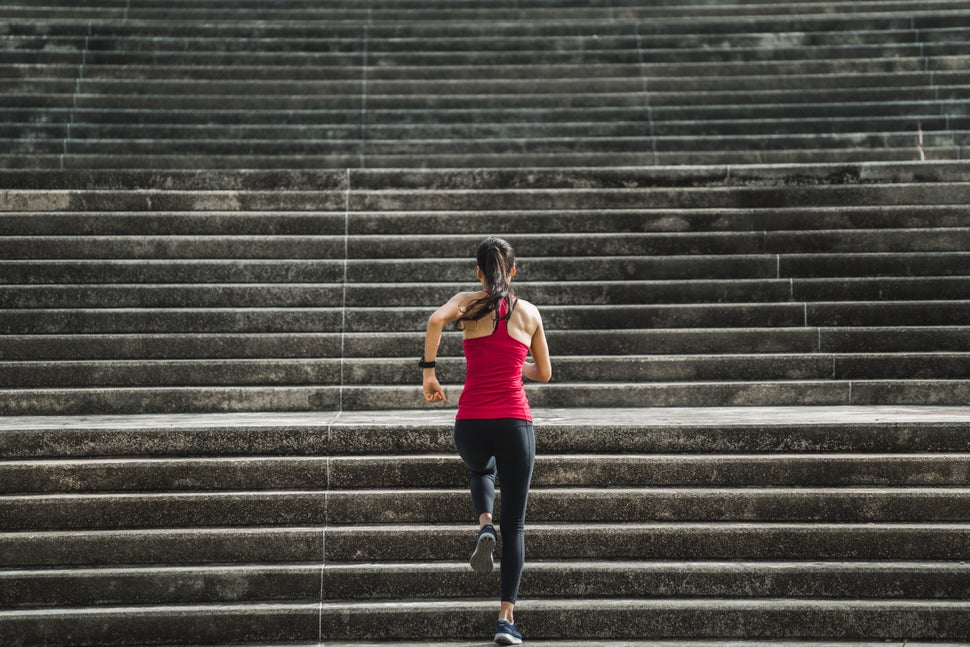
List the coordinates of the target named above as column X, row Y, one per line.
column 173, row 475
column 801, row 267
column 167, row 476
column 303, row 583
column 344, row 440
column 452, row 100
column 565, row 343
column 398, row 271
column 110, row 512
column 136, row 38
column 198, row 136
column 336, row 248
column 213, row 399
column 396, row 109
column 427, row 54
column 290, row 623
column 361, row 345
column 617, row 471
column 650, row 369
column 542, row 199
column 700, row 541
column 303, row 622
column 779, row 623
column 521, row 222
column 685, row 139
column 922, row 542
column 541, row 294
column 649, row 580
column 324, row 320
column 797, row 152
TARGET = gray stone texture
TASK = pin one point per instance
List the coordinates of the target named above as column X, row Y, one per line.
column 223, row 224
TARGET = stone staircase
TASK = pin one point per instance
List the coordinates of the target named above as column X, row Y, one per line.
column 223, row 225
column 686, row 525
column 436, row 83
column 131, row 292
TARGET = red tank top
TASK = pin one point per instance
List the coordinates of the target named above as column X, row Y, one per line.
column 493, row 376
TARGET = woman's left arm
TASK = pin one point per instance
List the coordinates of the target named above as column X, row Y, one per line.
column 541, row 370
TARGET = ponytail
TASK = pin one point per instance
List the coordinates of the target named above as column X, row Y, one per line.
column 496, row 260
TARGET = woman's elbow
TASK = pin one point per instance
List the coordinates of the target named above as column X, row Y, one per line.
column 544, row 374
column 436, row 320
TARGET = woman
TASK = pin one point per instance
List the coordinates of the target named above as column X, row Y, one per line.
column 493, row 426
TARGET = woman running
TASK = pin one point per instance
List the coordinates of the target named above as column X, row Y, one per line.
column 493, row 426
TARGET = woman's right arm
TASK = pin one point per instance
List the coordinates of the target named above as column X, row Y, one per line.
column 432, row 339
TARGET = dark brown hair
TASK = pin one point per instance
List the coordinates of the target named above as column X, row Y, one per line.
column 496, row 260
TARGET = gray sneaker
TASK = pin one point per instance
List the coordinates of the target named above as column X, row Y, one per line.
column 506, row 633
column 483, row 558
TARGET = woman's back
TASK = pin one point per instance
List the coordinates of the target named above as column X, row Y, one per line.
column 493, row 373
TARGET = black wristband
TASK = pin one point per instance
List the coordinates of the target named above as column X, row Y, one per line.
column 424, row 364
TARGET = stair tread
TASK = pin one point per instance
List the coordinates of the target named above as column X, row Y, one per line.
column 578, row 417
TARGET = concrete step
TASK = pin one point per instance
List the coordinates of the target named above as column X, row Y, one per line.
column 432, row 470
column 213, row 399
column 427, row 54
column 352, row 70
column 155, row 246
column 497, row 65
column 388, row 138
column 573, row 293
column 452, row 99
column 690, row 541
column 865, row 430
column 106, row 110
column 474, row 152
column 805, row 150
column 112, row 118
column 724, row 341
column 618, row 221
column 139, row 38
column 468, row 620
column 629, row 369
column 771, row 179
column 541, row 580
column 882, row 269
column 569, row 80
column 432, row 198
column 34, row 513
column 536, row 20
column 396, row 320
column 682, row 619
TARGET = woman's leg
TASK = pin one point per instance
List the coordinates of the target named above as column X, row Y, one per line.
column 471, row 439
column 474, row 447
column 515, row 458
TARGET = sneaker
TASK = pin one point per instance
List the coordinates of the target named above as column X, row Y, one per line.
column 482, row 559
column 507, row 634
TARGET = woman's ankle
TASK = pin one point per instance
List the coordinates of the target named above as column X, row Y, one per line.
column 506, row 612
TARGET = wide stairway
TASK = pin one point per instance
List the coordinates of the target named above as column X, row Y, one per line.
column 223, row 225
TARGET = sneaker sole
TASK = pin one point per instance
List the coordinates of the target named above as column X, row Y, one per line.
column 507, row 639
column 482, row 561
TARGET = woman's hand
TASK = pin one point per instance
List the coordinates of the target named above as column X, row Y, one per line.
column 432, row 389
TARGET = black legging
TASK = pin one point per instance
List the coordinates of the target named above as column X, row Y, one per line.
column 506, row 446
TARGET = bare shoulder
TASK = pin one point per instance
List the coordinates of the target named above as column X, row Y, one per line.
column 528, row 310
column 464, row 299
column 454, row 308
